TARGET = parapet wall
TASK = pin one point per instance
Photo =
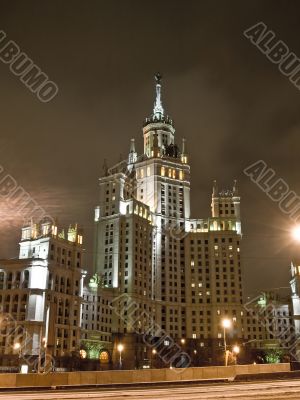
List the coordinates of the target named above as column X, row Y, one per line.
column 135, row 376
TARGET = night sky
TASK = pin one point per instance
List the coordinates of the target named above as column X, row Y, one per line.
column 227, row 99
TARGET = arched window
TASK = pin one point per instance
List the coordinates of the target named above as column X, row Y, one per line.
column 104, row 357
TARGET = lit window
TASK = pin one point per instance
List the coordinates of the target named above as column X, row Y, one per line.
column 193, row 285
column 163, row 171
column 194, row 336
column 219, row 335
column 104, row 357
column 180, row 175
column 142, row 173
column 174, row 173
column 170, row 173
column 148, row 171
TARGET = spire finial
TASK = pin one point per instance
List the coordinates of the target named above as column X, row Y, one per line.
column 235, row 188
column 158, row 78
column 132, row 146
column 158, row 108
column 132, row 157
column 215, row 188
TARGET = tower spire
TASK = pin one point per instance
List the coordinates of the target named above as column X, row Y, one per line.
column 132, row 157
column 158, row 110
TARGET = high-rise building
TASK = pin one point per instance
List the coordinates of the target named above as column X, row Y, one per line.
column 183, row 272
column 162, row 279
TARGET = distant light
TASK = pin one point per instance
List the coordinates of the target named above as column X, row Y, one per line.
column 236, row 349
column 296, row 233
column 120, row 347
column 24, row 369
column 82, row 353
column 226, row 323
column 17, row 346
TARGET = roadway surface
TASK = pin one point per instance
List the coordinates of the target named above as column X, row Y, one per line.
column 275, row 390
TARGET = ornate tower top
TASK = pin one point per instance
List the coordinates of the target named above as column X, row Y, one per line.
column 158, row 114
column 158, row 110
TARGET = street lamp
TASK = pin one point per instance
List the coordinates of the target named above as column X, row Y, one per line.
column 296, row 233
column 236, row 350
column 17, row 346
column 120, row 348
column 153, row 358
column 182, row 341
column 226, row 323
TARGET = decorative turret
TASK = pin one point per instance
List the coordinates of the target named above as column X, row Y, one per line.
column 158, row 123
column 132, row 157
column 235, row 189
column 158, row 114
column 215, row 189
column 226, row 204
column 184, row 157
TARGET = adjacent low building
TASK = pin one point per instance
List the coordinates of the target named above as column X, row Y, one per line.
column 40, row 295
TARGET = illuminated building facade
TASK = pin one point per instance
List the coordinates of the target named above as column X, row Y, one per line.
column 184, row 273
column 41, row 292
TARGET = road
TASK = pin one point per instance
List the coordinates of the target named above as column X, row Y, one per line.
column 275, row 390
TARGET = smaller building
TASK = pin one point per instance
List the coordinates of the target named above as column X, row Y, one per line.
column 96, row 323
column 268, row 324
column 40, row 296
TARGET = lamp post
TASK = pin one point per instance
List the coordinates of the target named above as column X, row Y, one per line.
column 236, row 350
column 120, row 348
column 17, row 346
column 153, row 353
column 226, row 323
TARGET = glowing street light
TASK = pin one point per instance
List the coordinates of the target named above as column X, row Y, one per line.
column 182, row 341
column 120, row 348
column 17, row 346
column 296, row 233
column 236, row 349
column 226, row 323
